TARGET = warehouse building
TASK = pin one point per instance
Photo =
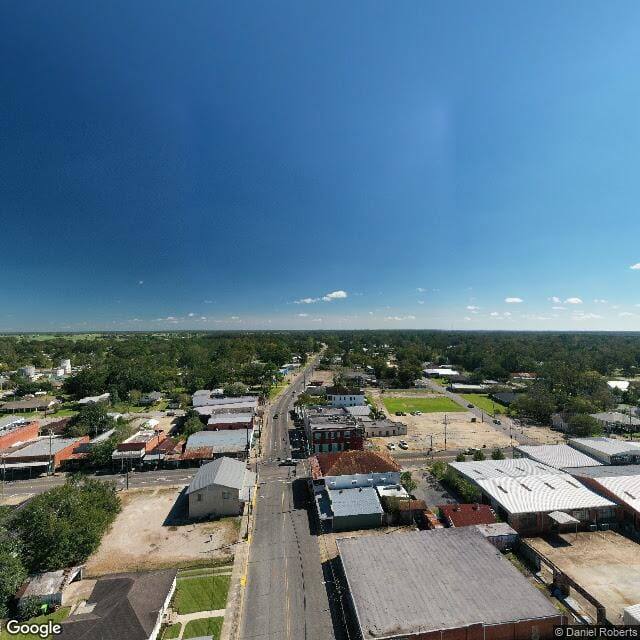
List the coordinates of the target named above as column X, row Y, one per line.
column 349, row 509
column 558, row 456
column 46, row 454
column 233, row 443
column 608, row 450
column 472, row 591
column 530, row 504
column 15, row 430
column 509, row 468
column 220, row 421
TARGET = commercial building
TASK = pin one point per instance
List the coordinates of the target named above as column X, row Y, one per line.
column 528, row 503
column 471, row 592
column 459, row 387
column 383, row 428
column 508, row 468
column 353, row 469
column 139, row 444
column 39, row 403
column 103, row 397
column 230, row 421
column 246, row 406
column 123, row 606
column 220, row 488
column 204, row 399
column 608, row 450
column 620, row 483
column 558, row 456
column 444, row 372
column 332, row 430
column 233, row 443
column 349, row 509
column 15, row 430
column 616, row 421
column 47, row 453
column 27, row 372
column 340, row 396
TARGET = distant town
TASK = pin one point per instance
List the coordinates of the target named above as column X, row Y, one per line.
column 322, row 485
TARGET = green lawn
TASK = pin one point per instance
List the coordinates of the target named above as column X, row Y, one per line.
column 203, row 627
column 276, row 389
column 172, row 631
column 199, row 571
column 426, row 405
column 484, row 402
column 57, row 616
column 201, row 594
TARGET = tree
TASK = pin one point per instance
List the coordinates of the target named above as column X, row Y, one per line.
column 12, row 571
column 461, row 457
column 439, row 469
column 497, row 454
column 29, row 608
column 478, row 456
column 191, row 425
column 134, row 396
column 583, row 425
column 92, row 419
column 235, row 389
column 407, row 481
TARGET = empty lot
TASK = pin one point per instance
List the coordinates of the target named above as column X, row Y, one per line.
column 142, row 539
column 437, row 404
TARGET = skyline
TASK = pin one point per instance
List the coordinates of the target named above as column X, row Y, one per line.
column 301, row 167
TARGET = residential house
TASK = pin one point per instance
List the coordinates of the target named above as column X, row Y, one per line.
column 27, row 405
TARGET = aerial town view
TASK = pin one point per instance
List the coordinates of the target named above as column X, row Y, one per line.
column 319, row 321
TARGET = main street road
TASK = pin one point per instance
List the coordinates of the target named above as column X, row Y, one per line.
column 507, row 426
column 285, row 597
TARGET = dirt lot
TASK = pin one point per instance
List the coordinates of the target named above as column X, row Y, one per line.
column 461, row 432
column 146, row 535
column 604, row 563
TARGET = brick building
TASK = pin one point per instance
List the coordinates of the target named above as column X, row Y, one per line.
column 14, row 430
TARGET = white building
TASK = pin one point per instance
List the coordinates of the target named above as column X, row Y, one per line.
column 65, row 363
column 608, row 450
column 339, row 396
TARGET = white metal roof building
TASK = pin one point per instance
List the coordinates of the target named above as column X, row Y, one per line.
column 609, row 450
column 508, row 468
column 558, row 456
column 443, row 581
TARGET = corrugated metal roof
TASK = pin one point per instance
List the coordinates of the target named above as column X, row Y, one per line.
column 496, row 529
column 608, row 446
column 363, row 410
column 541, row 493
column 40, row 447
column 227, row 440
column 604, row 471
column 225, row 472
column 354, row 502
column 625, row 488
column 558, row 456
column 469, row 582
column 224, row 418
column 509, row 468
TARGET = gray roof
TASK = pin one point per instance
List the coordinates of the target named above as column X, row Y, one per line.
column 363, row 410
column 607, row 446
column 40, row 447
column 224, row 418
column 616, row 417
column 496, row 529
column 476, row 470
column 606, row 471
column 558, row 456
column 354, row 502
column 227, row 440
column 9, row 422
column 469, row 582
column 224, row 472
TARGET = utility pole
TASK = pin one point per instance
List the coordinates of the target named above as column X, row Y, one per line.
column 51, row 470
column 4, row 471
column 445, row 431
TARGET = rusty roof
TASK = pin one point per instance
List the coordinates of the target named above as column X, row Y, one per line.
column 346, row 463
column 465, row 515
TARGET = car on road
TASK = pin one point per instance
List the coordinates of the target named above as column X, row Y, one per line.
column 403, row 445
column 469, row 406
column 496, row 421
column 418, row 413
column 276, row 416
column 398, row 413
column 391, row 446
column 287, row 462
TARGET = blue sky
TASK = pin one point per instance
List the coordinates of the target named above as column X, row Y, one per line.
column 212, row 165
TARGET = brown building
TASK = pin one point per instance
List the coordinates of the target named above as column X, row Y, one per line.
column 465, row 515
column 44, row 454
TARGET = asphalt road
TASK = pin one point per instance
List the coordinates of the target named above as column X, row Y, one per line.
column 165, row 477
column 285, row 596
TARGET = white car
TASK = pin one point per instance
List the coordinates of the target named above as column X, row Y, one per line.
column 403, row 445
column 391, row 446
column 418, row 413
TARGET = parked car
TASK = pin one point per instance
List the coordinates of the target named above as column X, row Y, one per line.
column 276, row 416
column 403, row 445
column 418, row 413
column 287, row 462
column 496, row 421
column 391, row 446
column 469, row 406
column 398, row 413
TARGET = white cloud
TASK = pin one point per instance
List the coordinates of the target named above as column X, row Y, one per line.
column 191, row 315
column 586, row 316
column 399, row 318
column 467, row 318
column 334, row 295
column 421, row 290
column 494, row 314
column 626, row 314
column 559, row 308
column 513, row 300
column 316, row 320
column 303, row 315
column 140, row 281
column 420, row 301
column 635, row 266
column 600, row 301
column 554, row 299
column 207, row 301
column 573, row 301
column 472, row 307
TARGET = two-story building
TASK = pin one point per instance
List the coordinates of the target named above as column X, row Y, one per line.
column 341, row 396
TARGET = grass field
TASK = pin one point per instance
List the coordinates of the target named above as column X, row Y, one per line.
column 201, row 594
column 173, row 631
column 57, row 616
column 426, row 405
column 276, row 389
column 203, row 628
column 485, row 403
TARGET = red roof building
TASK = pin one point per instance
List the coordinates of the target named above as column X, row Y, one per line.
column 465, row 515
column 346, row 463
